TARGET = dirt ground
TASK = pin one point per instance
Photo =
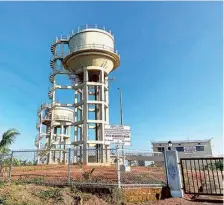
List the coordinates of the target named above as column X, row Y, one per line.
column 106, row 174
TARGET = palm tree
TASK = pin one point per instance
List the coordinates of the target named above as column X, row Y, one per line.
column 8, row 138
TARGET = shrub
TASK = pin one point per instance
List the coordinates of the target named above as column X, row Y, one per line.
column 218, row 165
column 52, row 193
column 87, row 174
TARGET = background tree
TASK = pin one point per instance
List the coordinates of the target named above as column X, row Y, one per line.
column 8, row 138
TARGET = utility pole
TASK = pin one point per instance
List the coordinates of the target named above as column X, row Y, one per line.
column 121, row 109
column 121, row 119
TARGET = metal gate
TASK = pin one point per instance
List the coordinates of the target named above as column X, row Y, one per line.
column 202, row 176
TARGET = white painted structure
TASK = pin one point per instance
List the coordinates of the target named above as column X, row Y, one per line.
column 186, row 148
column 173, row 173
column 55, row 126
column 87, row 57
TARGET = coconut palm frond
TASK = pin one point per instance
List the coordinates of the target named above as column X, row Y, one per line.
column 4, row 150
column 8, row 138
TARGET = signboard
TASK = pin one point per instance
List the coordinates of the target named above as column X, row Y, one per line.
column 189, row 150
column 117, row 134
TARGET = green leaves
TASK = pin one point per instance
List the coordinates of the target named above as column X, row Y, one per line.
column 8, row 138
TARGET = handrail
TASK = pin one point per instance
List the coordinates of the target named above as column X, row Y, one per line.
column 94, row 46
column 57, row 117
column 85, row 47
column 45, row 105
column 61, row 117
column 46, row 118
column 62, row 38
column 42, row 106
column 95, row 26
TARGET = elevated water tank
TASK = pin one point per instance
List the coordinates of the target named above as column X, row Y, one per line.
column 91, row 47
column 63, row 114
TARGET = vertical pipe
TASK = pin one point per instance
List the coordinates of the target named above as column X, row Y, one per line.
column 75, row 127
column 10, row 167
column 107, row 100
column 85, row 116
column 102, row 117
column 118, row 168
column 69, row 165
column 107, row 114
column 51, row 125
column 121, row 109
column 96, row 98
column 121, row 118
column 62, row 152
column 40, row 131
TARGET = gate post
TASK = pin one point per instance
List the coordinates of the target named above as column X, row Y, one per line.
column 173, row 173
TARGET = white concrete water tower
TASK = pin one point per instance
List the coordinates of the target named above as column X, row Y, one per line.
column 55, row 125
column 86, row 57
column 91, row 58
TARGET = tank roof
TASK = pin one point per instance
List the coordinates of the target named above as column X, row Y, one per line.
column 92, row 28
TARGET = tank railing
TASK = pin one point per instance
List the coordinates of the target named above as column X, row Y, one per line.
column 62, row 38
column 81, row 28
column 45, row 105
column 46, row 117
column 58, row 55
column 93, row 46
column 61, row 117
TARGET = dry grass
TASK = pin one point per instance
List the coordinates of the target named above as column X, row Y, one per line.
column 29, row 194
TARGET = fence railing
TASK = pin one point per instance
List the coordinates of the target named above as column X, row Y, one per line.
column 62, row 166
column 202, row 176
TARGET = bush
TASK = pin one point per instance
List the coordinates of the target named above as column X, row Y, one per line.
column 52, row 193
column 218, row 165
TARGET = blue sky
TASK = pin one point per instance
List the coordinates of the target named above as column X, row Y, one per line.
column 170, row 72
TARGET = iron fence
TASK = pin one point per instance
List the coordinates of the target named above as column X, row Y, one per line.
column 106, row 167
column 5, row 161
column 202, row 176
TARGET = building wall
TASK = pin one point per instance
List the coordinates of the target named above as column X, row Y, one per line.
column 182, row 154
